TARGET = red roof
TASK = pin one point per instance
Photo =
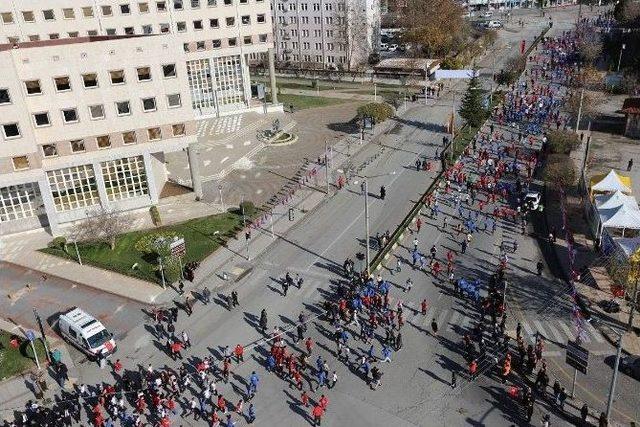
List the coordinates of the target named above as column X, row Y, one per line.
column 631, row 106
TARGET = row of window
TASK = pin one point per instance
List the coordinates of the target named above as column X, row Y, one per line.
column 29, row 16
column 102, row 142
column 96, row 112
column 317, row 20
column 306, row 33
column 217, row 43
column 307, row 45
column 304, row 6
column 329, row 59
column 89, row 81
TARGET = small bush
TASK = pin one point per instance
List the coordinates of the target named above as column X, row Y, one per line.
column 58, row 243
column 378, row 111
column 147, row 243
column 248, row 208
column 155, row 216
column 562, row 141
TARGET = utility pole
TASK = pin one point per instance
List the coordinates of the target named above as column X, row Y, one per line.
column 326, row 164
column 612, row 388
column 633, row 304
column 580, row 110
column 164, row 284
column 375, row 93
column 44, row 338
column 367, row 236
column 221, row 201
column 452, row 146
column 75, row 243
column 623, row 47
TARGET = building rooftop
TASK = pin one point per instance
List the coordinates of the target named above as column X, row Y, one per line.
column 67, row 41
column 407, row 63
column 631, row 106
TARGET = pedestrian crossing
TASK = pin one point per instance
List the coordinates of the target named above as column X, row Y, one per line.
column 219, row 126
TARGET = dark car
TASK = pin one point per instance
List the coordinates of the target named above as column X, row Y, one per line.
column 630, row 365
column 610, row 306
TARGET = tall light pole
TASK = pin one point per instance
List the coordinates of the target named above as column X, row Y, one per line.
column 612, row 387
column 622, row 48
column 375, row 93
column 326, row 164
column 580, row 110
column 221, row 201
column 367, row 236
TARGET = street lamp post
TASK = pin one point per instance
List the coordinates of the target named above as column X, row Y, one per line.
column 375, row 93
column 326, row 165
column 580, row 110
column 75, row 243
column 221, row 201
column 622, row 48
column 365, row 193
column 614, row 378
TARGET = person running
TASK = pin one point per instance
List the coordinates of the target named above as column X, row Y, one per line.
column 434, row 327
column 423, row 307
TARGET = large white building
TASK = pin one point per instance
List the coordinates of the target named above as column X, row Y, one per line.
column 94, row 92
column 326, row 34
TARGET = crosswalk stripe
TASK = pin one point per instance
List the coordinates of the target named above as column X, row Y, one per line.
column 527, row 328
column 539, row 328
column 453, row 320
column 570, row 334
column 556, row 334
column 595, row 333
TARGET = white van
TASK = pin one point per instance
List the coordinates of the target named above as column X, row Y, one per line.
column 86, row 332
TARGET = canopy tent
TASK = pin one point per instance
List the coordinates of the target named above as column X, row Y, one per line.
column 610, row 182
column 620, row 217
column 628, row 245
column 614, row 200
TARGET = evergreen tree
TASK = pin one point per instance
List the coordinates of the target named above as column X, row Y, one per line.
column 472, row 107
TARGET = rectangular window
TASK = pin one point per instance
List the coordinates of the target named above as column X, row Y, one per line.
column 28, row 16
column 73, row 187
column 48, row 15
column 169, row 70
column 181, row 26
column 54, row 36
column 178, row 5
column 33, row 87
column 197, row 25
column 228, row 2
column 245, row 19
column 165, row 28
column 103, row 141
column 87, row 12
column 213, row 23
column 20, row 201
column 70, row 115
column 20, row 163
column 232, row 41
column 129, row 137
column 144, row 74
column 90, row 80
column 7, row 17
column 111, row 31
column 161, row 6
column 247, row 40
column 77, row 145
column 200, row 45
column 244, row 1
column 68, row 13
column 231, row 21
column 217, row 44
column 263, row 39
column 147, row 29
column 41, row 119
column 123, row 108
column 11, row 130
column 125, row 9
column 174, row 100
column 260, row 18
column 154, row 134
column 49, row 150
column 106, row 10
column 125, row 178
column 5, row 98
column 63, row 84
column 117, row 77
column 129, row 30
column 148, row 104
column 92, row 33
column 143, row 7
column 212, row 3
column 34, row 38
column 179, row 129
column 96, row 112
column 195, row 4
column 73, row 34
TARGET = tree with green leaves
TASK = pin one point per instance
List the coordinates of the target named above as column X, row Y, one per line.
column 472, row 107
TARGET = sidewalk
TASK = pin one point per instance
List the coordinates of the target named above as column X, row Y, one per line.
column 22, row 249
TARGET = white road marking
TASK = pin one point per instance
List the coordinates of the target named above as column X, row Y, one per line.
column 224, row 159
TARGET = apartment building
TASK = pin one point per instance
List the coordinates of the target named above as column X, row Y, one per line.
column 94, row 92
column 326, row 34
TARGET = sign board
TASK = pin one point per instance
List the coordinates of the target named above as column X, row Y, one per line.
column 178, row 248
column 261, row 91
column 577, row 357
column 31, row 336
column 455, row 74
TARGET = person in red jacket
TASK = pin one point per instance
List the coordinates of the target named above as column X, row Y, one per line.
column 309, row 345
column 317, row 413
column 324, row 402
column 239, row 352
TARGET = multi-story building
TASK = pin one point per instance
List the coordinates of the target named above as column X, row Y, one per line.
column 326, row 34
column 94, row 92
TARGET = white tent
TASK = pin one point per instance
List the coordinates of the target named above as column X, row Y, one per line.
column 611, row 182
column 614, row 200
column 620, row 217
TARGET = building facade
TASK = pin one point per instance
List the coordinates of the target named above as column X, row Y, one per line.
column 94, row 92
column 325, row 34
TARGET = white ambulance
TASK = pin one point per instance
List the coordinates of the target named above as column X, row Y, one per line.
column 86, row 332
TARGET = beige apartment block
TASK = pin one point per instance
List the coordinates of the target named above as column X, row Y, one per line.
column 93, row 93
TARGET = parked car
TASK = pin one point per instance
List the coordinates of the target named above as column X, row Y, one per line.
column 392, row 47
column 630, row 365
column 610, row 306
column 86, row 333
column 384, row 46
column 493, row 24
column 532, row 200
column 487, row 14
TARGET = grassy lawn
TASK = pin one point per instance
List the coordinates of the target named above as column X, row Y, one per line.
column 200, row 237
column 302, row 102
column 14, row 361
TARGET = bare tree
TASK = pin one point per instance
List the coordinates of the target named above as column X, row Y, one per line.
column 589, row 46
column 354, row 38
column 590, row 103
column 435, row 25
column 102, row 225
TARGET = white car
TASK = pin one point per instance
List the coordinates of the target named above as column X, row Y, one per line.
column 532, row 200
column 493, row 24
column 86, row 333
